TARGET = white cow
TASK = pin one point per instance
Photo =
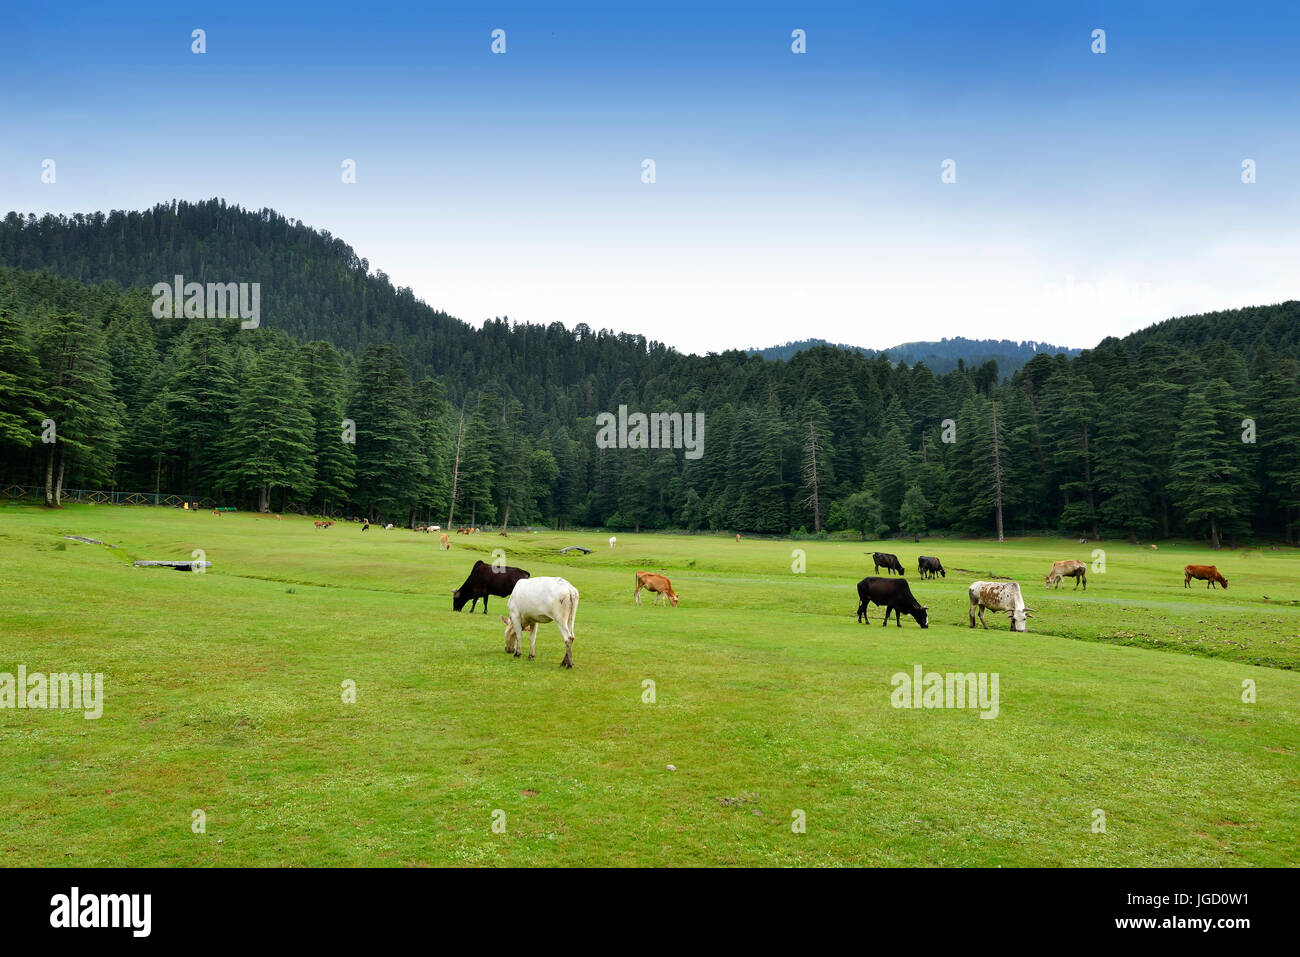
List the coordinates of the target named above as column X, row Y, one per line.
column 612, row 540
column 999, row 596
column 536, row 600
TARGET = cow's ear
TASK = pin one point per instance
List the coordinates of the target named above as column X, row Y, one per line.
column 505, row 620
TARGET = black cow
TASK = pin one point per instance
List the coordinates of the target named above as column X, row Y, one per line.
column 895, row 596
column 886, row 561
column 929, row 567
column 484, row 580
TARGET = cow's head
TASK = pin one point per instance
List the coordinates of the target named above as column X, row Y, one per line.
column 672, row 597
column 458, row 600
column 1223, row 581
column 1019, row 618
column 922, row 616
column 943, row 571
column 512, row 636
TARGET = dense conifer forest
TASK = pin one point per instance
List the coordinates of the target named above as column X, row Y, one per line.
column 354, row 398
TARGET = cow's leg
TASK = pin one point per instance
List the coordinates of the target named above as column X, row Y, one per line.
column 485, row 598
column 532, row 640
column 972, row 614
column 862, row 611
column 638, row 593
column 982, row 621
column 566, row 630
column 518, row 626
column 898, row 617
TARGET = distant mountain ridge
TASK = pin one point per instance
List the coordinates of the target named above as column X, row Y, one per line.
column 939, row 357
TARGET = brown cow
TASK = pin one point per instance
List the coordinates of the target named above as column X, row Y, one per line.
column 1205, row 573
column 1067, row 568
column 658, row 584
column 443, row 543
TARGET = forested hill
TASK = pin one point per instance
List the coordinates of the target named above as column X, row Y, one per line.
column 1267, row 329
column 941, row 356
column 1137, row 437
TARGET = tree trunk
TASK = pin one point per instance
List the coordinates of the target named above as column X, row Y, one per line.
column 1087, row 478
column 58, row 485
column 997, row 475
column 263, row 499
column 1214, row 534
column 49, row 478
column 455, row 468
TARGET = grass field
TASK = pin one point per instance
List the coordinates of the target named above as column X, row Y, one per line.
column 223, row 693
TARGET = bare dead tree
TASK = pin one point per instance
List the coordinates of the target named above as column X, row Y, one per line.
column 455, row 468
column 811, row 481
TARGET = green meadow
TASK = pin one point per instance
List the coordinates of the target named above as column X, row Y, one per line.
column 224, row 693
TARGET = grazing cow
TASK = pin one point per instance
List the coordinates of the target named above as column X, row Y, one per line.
column 539, row 600
column 613, row 540
column 462, row 531
column 1067, row 568
column 365, row 524
column 322, row 524
column 443, row 543
column 1155, row 548
column 658, row 584
column 388, row 527
column 484, row 580
column 1205, row 573
column 929, row 567
column 999, row 596
column 895, row 596
column 738, row 536
column 435, row 528
column 886, row 561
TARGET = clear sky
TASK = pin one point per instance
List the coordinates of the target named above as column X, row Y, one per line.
column 796, row 195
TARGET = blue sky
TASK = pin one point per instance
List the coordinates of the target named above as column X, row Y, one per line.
column 796, row 194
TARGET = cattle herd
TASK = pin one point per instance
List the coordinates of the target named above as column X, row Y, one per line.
column 895, row 595
column 533, row 601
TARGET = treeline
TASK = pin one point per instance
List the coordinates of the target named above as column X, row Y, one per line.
column 1143, row 437
column 941, row 357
